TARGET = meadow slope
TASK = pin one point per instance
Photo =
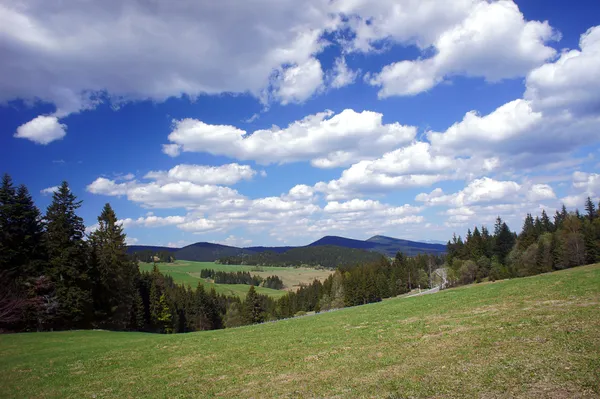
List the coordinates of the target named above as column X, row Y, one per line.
column 188, row 273
column 533, row 337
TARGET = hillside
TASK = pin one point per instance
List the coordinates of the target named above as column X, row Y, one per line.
column 536, row 337
column 328, row 256
column 208, row 252
column 390, row 246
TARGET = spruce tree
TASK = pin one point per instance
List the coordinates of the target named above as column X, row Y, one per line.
column 590, row 208
column 67, row 260
column 114, row 295
column 252, row 310
column 547, row 226
column 504, row 242
column 7, row 227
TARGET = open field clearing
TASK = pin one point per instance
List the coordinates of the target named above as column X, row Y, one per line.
column 186, row 272
column 536, row 337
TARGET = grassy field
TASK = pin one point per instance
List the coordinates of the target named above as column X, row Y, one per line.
column 535, row 337
column 186, row 272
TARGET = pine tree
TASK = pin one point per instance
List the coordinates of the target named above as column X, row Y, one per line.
column 7, row 227
column 140, row 314
column 252, row 311
column 21, row 235
column 504, row 241
column 527, row 236
column 115, row 294
column 590, row 209
column 67, row 260
column 165, row 318
column 547, row 226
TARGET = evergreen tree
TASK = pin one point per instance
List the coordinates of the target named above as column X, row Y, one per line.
column 165, row 318
column 7, row 228
column 114, row 295
column 504, row 241
column 547, row 226
column 527, row 236
column 590, row 208
column 67, row 260
column 253, row 311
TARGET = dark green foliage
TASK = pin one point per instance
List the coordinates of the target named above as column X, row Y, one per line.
column 572, row 240
column 326, row 256
column 273, row 282
column 253, row 311
column 116, row 274
column 231, row 277
column 68, row 264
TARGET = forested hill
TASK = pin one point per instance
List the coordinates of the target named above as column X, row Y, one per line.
column 208, row 252
column 329, row 256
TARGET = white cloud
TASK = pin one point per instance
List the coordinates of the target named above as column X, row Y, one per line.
column 152, row 50
column 493, row 41
column 507, row 123
column 42, row 130
column 540, row 192
column 327, row 140
column 341, row 75
column 202, row 174
column 152, row 221
column 131, row 240
column 572, row 82
column 416, row 165
column 172, row 150
column 297, row 83
column 584, row 185
column 406, row 22
column 523, row 136
column 489, row 191
column 234, row 241
column 106, row 186
column 49, row 190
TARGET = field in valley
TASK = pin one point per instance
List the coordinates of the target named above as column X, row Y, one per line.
column 186, row 272
column 536, row 337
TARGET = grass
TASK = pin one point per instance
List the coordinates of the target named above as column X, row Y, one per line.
column 188, row 273
column 536, row 337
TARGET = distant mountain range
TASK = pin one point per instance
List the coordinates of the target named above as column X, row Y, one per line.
column 209, row 252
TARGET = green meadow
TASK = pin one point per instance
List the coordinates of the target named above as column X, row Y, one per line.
column 536, row 337
column 188, row 273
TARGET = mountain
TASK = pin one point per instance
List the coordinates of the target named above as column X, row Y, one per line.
column 278, row 250
column 330, row 252
column 139, row 248
column 329, row 256
column 390, row 246
column 342, row 242
column 208, row 252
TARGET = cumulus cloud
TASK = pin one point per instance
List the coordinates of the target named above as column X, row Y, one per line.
column 202, row 174
column 326, row 139
column 341, row 75
column 170, row 52
column 42, row 130
column 493, row 41
column 234, row 241
column 299, row 82
column 584, row 185
column 416, row 165
column 572, row 82
column 152, row 221
column 49, row 190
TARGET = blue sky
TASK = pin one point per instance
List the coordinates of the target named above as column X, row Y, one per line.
column 271, row 122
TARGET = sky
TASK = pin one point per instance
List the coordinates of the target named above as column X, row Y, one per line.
column 276, row 122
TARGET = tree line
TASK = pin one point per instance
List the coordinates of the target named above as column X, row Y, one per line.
column 55, row 277
column 326, row 256
column 221, row 277
column 150, row 256
column 568, row 239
